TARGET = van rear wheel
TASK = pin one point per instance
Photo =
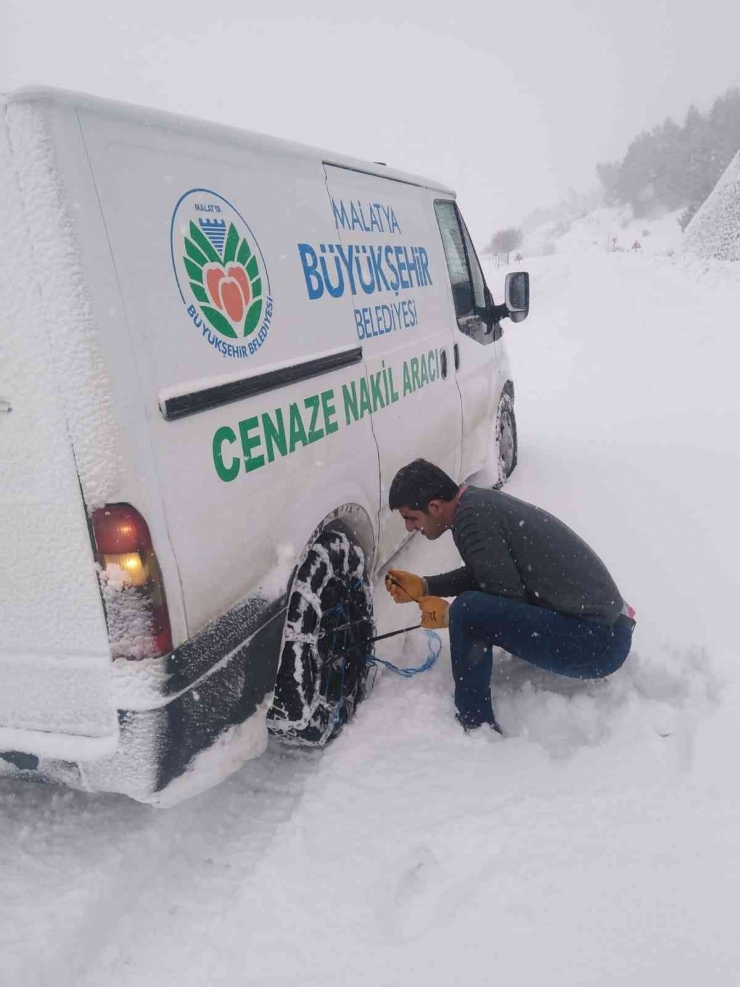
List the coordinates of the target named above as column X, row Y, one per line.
column 323, row 673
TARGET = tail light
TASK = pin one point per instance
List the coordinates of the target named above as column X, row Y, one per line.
column 123, row 542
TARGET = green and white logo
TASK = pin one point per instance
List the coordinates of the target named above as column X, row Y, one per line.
column 221, row 273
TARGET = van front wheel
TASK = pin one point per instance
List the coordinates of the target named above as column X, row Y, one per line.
column 323, row 673
column 505, row 444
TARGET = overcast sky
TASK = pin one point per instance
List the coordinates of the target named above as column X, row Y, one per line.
column 510, row 103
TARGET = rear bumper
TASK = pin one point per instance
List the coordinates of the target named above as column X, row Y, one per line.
column 57, row 705
column 171, row 709
column 64, row 747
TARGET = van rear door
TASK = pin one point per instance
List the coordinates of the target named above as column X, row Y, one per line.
column 55, row 680
column 394, row 265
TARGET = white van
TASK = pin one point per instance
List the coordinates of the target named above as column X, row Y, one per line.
column 217, row 348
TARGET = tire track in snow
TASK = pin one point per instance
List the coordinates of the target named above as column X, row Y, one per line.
column 101, row 880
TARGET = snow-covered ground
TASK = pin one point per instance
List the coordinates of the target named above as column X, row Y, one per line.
column 598, row 843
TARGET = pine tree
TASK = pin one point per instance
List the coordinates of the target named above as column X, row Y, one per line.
column 671, row 166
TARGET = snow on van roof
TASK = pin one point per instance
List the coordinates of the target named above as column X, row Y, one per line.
column 194, row 125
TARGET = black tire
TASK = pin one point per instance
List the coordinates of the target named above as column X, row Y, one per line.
column 506, row 448
column 323, row 674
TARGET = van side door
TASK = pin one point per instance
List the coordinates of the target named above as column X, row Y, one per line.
column 476, row 346
column 249, row 445
column 392, row 258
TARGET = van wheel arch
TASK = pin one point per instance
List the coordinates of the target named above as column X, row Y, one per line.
column 355, row 522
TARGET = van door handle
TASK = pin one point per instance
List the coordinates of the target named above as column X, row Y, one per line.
column 456, row 351
column 443, row 362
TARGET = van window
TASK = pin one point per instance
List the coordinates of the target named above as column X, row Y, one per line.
column 457, row 265
column 479, row 282
column 466, row 276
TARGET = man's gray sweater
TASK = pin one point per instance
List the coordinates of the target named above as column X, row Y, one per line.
column 514, row 549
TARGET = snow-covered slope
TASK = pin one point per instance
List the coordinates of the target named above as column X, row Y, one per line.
column 596, row 844
column 607, row 230
column 715, row 229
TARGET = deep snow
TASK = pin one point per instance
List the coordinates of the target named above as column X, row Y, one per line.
column 597, row 843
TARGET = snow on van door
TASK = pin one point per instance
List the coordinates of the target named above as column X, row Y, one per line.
column 395, row 269
column 477, row 348
column 56, row 698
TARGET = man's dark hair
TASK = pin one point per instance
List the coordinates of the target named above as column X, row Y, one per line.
column 418, row 483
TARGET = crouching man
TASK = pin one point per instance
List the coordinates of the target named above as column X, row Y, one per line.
column 528, row 585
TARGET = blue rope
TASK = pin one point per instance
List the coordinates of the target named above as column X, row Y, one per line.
column 432, row 641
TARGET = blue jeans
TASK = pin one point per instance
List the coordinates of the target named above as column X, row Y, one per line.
column 558, row 643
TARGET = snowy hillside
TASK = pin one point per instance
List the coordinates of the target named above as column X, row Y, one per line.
column 596, row 843
column 715, row 229
column 607, row 229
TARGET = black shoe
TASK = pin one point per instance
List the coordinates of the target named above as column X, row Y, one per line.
column 468, row 726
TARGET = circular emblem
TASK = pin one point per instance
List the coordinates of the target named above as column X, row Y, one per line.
column 220, row 272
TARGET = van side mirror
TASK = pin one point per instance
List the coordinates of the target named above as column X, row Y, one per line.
column 517, row 295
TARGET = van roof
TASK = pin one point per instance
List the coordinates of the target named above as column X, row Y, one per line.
column 192, row 125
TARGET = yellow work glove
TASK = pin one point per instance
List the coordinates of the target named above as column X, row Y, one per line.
column 434, row 612
column 404, row 587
